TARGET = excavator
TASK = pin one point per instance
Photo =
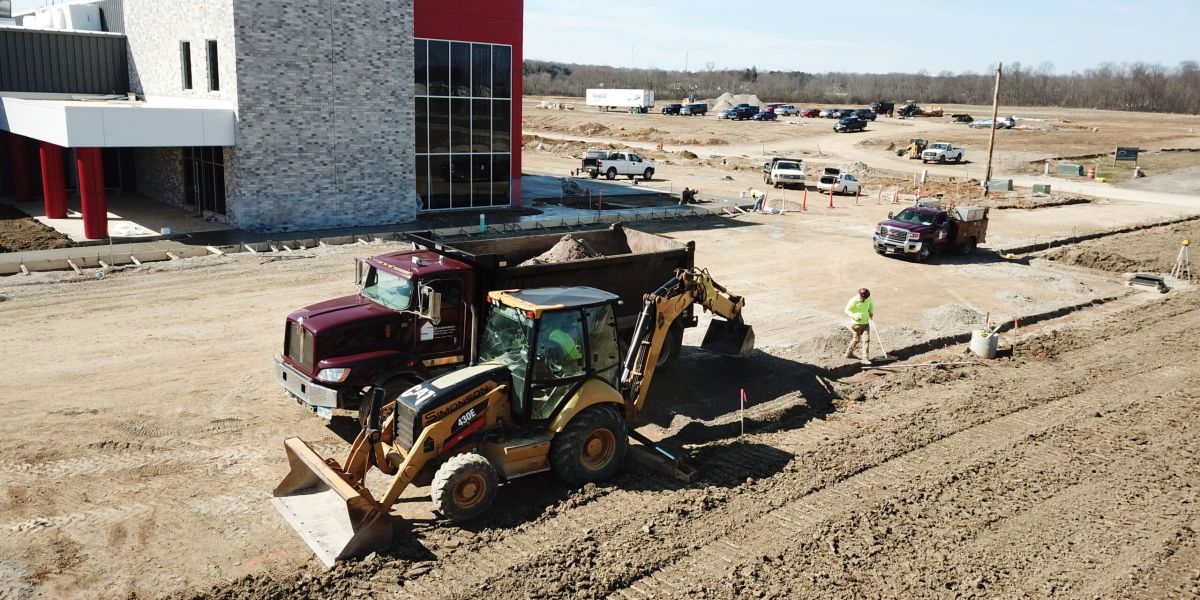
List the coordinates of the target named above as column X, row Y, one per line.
column 550, row 391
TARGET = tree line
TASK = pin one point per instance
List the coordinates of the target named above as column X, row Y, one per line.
column 1134, row 86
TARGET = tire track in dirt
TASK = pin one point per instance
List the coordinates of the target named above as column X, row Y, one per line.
column 773, row 530
column 144, row 462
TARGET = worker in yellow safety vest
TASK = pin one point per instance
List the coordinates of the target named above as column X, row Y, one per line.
column 860, row 309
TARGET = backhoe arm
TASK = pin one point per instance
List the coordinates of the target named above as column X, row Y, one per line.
column 660, row 309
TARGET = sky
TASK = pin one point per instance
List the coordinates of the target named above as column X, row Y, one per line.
column 863, row 36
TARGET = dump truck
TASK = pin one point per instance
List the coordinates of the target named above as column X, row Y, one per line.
column 334, row 351
column 550, row 391
column 919, row 231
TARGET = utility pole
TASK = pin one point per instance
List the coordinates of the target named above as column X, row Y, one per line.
column 992, row 142
column 685, row 62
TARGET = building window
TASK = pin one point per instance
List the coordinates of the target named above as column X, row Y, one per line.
column 463, row 124
column 214, row 78
column 185, row 64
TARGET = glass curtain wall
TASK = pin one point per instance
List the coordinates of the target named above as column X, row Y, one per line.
column 463, row 124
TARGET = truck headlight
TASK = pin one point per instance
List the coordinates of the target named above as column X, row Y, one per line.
column 914, row 236
column 333, row 375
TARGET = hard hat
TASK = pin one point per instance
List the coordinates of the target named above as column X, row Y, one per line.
column 864, row 293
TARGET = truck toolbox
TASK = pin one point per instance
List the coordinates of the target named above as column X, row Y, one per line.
column 971, row 213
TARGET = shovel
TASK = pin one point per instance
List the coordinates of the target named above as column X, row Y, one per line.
column 886, row 358
column 728, row 338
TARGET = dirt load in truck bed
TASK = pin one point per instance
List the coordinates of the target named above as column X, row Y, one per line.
column 567, row 249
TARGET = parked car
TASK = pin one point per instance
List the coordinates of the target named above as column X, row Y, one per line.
column 725, row 114
column 672, row 109
column 864, row 113
column 810, row 113
column 787, row 110
column 828, row 113
column 742, row 112
column 765, row 116
column 849, row 124
column 841, row 183
column 845, row 113
column 597, row 162
column 694, row 109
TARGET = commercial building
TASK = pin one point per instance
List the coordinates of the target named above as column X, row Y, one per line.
column 270, row 115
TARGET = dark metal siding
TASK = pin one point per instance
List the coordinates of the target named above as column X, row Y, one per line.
column 63, row 62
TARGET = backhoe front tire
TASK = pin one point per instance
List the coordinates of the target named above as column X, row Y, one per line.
column 591, row 447
column 464, row 487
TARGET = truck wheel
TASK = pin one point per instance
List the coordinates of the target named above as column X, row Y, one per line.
column 942, row 159
column 671, row 347
column 591, row 447
column 923, row 254
column 958, row 159
column 393, row 388
column 967, row 248
column 611, row 174
column 648, row 175
column 464, row 487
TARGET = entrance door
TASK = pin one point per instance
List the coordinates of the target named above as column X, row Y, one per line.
column 204, row 178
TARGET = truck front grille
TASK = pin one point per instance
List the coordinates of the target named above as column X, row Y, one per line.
column 893, row 234
column 300, row 345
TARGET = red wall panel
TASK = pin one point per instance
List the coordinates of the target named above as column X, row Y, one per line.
column 487, row 21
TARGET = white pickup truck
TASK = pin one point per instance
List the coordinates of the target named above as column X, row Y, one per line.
column 942, row 152
column 782, row 172
column 611, row 164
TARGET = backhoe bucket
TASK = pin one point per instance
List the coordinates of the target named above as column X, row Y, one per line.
column 728, row 338
column 334, row 518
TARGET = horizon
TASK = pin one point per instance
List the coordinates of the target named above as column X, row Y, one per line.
column 1062, row 37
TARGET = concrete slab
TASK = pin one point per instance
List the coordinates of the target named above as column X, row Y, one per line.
column 130, row 217
column 535, row 188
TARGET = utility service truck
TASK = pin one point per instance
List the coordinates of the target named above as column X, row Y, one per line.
column 919, row 231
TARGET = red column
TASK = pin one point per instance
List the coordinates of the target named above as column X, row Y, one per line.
column 54, row 186
column 21, row 169
column 91, row 193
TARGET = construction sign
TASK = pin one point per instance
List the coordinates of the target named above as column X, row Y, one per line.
column 1124, row 153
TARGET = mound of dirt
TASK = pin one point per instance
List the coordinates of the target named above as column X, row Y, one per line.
column 20, row 232
column 1094, row 259
column 591, row 128
column 566, row 250
column 688, row 154
column 727, row 100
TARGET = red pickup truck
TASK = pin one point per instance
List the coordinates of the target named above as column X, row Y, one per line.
column 919, row 231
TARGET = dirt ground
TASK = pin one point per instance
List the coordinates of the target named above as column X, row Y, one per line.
column 19, row 232
column 143, row 425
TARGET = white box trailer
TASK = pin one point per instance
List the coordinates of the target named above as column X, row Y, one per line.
column 638, row 101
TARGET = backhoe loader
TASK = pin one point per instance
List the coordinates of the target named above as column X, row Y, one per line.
column 551, row 392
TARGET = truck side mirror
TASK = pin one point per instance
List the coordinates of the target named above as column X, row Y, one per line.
column 430, row 304
column 890, row 215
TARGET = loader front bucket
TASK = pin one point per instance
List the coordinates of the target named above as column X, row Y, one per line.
column 728, row 338
column 334, row 518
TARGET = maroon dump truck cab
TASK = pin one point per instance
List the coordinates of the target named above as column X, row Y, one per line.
column 334, row 351
column 919, row 231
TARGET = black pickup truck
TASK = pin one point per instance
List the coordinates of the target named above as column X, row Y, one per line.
column 743, row 112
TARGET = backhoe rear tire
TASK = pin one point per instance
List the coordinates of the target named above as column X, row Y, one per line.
column 591, row 447
column 464, row 487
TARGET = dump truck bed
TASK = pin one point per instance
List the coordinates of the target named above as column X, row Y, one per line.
column 633, row 264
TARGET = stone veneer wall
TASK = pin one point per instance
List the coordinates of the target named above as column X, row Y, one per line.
column 160, row 174
column 325, row 99
column 155, row 28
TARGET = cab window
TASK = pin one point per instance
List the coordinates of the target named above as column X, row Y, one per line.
column 558, row 361
column 602, row 343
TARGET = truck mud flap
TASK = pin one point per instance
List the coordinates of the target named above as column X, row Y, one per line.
column 728, row 338
column 334, row 518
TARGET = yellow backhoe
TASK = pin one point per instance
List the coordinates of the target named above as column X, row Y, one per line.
column 550, row 392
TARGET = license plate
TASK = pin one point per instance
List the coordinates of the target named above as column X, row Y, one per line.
column 326, row 413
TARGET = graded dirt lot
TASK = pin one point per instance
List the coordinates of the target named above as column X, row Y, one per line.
column 143, row 427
